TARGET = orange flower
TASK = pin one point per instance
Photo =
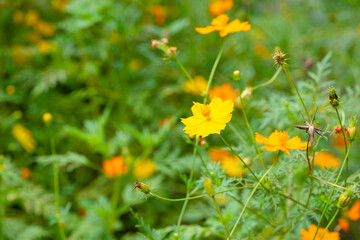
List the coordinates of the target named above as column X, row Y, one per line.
column 25, row 173
column 354, row 212
column 114, row 167
column 326, row 160
column 159, row 13
column 218, row 7
column 218, row 155
column 220, row 24
column 225, row 92
column 280, row 141
column 338, row 139
column 344, row 224
column 309, row 234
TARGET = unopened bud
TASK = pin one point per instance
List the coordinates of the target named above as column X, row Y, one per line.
column 209, row 188
column 47, row 117
column 237, row 75
column 352, row 127
column 334, row 99
column 142, row 187
column 247, row 161
column 202, row 142
column 154, row 43
column 279, row 57
column 165, row 40
column 345, row 199
column 246, row 93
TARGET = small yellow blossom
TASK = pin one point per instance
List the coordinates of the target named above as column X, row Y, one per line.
column 44, row 28
column 195, row 88
column 221, row 6
column 326, row 160
column 280, row 141
column 220, row 24
column 24, row 137
column 144, row 169
column 18, row 17
column 19, row 55
column 47, row 117
column 208, row 118
column 45, row 47
column 31, row 18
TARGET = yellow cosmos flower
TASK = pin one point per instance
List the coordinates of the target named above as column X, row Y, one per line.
column 234, row 167
column 208, row 119
column 24, row 137
column 220, row 24
column 309, row 234
column 326, row 160
column 221, row 6
column 198, row 87
column 280, row 141
column 144, row 169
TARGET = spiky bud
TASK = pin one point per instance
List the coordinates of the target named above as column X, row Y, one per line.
column 279, row 57
column 142, row 187
column 334, row 99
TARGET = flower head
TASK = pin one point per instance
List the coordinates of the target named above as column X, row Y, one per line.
column 280, row 141
column 144, row 168
column 225, row 92
column 228, row 161
column 354, row 212
column 309, row 234
column 221, row 6
column 326, row 160
column 208, row 118
column 114, row 167
column 220, row 24
column 24, row 137
column 196, row 87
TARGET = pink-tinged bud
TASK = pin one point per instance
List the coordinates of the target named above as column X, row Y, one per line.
column 173, row 49
column 154, row 43
column 165, row 40
column 202, row 142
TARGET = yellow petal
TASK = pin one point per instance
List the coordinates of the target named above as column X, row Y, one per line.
column 220, row 20
column 205, row 30
column 261, row 139
column 295, row 143
column 235, row 26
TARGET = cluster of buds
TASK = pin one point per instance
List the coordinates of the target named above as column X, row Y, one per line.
column 142, row 187
column 334, row 99
column 279, row 57
column 169, row 51
column 345, row 198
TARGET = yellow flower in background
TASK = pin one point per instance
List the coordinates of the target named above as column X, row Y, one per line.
column 309, row 234
column 59, row 4
column 220, row 24
column 280, row 141
column 217, row 155
column 46, row 47
column 225, row 92
column 47, row 117
column 114, row 167
column 10, row 90
column 208, row 118
column 234, row 167
column 221, row 6
column 326, row 160
column 24, row 137
column 18, row 17
column 44, row 28
column 31, row 18
column 19, row 55
column 195, row 88
column 144, row 169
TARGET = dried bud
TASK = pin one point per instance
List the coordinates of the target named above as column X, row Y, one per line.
column 246, row 93
column 154, row 43
column 142, row 187
column 334, row 99
column 209, row 188
column 345, row 198
column 165, row 40
column 237, row 75
column 279, row 57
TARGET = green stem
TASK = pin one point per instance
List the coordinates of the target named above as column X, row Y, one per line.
column 236, row 132
column 56, row 187
column 332, row 184
column 113, row 203
column 187, row 74
column 1, row 196
column 332, row 219
column 221, row 216
column 249, row 127
column 213, row 70
column 268, row 82
column 202, row 160
column 293, row 84
column 252, row 193
column 346, row 149
column 332, row 191
column 292, row 199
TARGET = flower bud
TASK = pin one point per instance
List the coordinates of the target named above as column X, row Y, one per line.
column 142, row 187
column 352, row 127
column 154, row 43
column 345, row 198
column 334, row 99
column 209, row 188
column 237, row 75
column 246, row 93
column 202, row 142
column 165, row 40
column 279, row 57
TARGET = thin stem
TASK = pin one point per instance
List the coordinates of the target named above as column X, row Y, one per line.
column 307, row 154
column 293, row 84
column 221, row 217
column 213, row 70
column 332, row 191
column 252, row 193
column 232, row 150
column 332, row 219
column 1, row 196
column 187, row 74
column 188, row 186
column 56, row 187
column 236, row 132
column 346, row 149
column 269, row 81
column 292, row 199
column 332, row 184
column 113, row 203
column 249, row 127
column 202, row 161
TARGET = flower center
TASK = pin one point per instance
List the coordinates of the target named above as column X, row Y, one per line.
column 283, row 137
column 205, row 111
